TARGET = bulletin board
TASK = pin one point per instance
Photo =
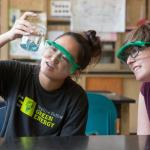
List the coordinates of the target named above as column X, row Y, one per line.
column 100, row 15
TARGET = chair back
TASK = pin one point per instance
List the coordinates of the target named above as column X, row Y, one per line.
column 102, row 115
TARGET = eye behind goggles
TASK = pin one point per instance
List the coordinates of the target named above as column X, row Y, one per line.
column 66, row 53
column 121, row 52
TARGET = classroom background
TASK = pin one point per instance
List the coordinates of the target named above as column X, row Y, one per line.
column 112, row 19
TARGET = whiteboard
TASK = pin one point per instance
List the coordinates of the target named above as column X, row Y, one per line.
column 99, row 15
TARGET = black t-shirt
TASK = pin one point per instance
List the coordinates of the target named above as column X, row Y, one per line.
column 32, row 111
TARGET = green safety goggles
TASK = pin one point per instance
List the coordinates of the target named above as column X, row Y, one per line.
column 66, row 53
column 121, row 53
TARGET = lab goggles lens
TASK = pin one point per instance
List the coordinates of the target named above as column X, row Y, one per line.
column 131, row 49
column 65, row 52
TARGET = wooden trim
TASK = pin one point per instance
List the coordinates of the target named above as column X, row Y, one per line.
column 59, row 19
column 29, row 5
column 4, row 27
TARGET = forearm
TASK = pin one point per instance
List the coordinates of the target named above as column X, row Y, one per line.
column 20, row 28
column 4, row 38
column 143, row 126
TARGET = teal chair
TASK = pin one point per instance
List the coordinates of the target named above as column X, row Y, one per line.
column 102, row 115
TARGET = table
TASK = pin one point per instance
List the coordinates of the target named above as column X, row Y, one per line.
column 118, row 142
column 122, row 104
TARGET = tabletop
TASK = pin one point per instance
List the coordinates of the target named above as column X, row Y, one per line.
column 116, row 98
column 116, row 142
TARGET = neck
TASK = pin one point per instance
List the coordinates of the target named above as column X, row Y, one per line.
column 49, row 84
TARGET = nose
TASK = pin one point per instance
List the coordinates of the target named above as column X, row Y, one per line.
column 130, row 60
column 55, row 57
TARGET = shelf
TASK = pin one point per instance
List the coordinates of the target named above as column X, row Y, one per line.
column 62, row 20
column 129, row 28
column 125, row 73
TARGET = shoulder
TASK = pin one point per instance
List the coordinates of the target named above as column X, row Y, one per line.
column 71, row 85
column 145, row 88
column 145, row 94
column 17, row 68
column 76, row 93
column 14, row 64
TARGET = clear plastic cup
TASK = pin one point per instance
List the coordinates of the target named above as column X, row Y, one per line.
column 32, row 42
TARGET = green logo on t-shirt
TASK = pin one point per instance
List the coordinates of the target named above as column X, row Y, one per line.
column 28, row 106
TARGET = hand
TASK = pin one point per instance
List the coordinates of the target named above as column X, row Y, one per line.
column 21, row 26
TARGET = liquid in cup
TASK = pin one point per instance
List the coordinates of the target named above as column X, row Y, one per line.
column 32, row 42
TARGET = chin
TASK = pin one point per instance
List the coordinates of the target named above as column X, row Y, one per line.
column 139, row 77
column 143, row 78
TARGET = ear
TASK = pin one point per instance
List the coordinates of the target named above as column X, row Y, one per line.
column 77, row 73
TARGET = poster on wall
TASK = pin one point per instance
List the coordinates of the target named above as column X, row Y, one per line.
column 18, row 52
column 60, row 8
column 100, row 15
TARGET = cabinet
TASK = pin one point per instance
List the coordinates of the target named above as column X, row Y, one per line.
column 28, row 5
column 3, row 15
column 104, row 83
column 136, row 11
